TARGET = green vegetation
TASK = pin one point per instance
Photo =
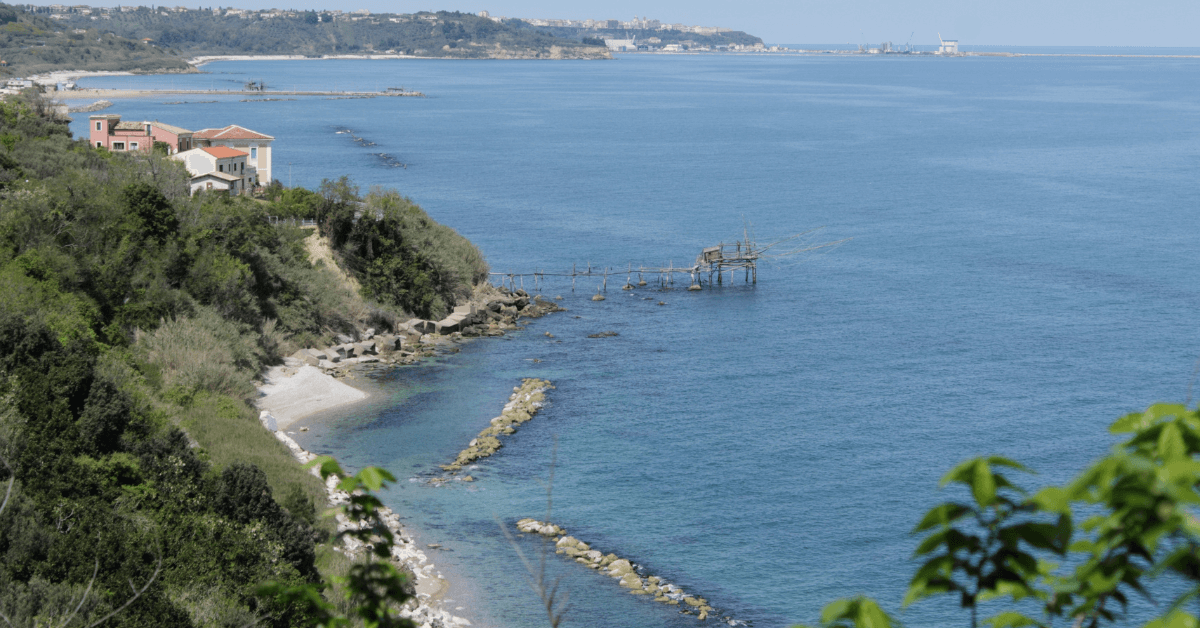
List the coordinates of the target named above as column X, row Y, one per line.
column 1001, row 551
column 441, row 34
column 134, row 320
column 32, row 44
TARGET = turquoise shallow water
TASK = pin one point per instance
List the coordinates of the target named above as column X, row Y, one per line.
column 1023, row 271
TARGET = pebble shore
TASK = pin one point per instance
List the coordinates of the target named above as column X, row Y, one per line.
column 424, row 608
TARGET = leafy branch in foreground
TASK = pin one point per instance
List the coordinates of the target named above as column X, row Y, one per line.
column 1002, row 543
column 375, row 588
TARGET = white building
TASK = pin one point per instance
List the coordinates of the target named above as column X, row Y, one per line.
column 254, row 144
column 218, row 168
column 621, row 45
column 948, row 47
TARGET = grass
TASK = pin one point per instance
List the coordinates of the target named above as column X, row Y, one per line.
column 229, row 431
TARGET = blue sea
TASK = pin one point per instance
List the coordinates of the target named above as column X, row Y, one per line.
column 1023, row 270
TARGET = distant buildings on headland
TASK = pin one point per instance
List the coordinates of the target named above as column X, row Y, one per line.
column 636, row 24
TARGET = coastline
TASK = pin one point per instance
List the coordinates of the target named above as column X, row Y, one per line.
column 305, row 385
column 296, row 390
column 425, row 608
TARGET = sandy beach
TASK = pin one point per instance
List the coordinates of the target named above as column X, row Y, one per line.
column 296, row 390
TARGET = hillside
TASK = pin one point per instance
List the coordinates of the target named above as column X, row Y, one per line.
column 441, row 34
column 134, row 322
column 31, row 44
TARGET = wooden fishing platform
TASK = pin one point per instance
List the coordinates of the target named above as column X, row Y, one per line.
column 712, row 263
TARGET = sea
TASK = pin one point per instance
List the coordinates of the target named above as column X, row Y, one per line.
column 1018, row 267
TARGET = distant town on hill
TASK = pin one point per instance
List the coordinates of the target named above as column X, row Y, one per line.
column 645, row 34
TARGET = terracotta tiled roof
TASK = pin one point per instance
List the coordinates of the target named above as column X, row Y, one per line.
column 231, row 132
column 177, row 130
column 221, row 152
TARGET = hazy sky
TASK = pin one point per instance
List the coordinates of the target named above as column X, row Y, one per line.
column 996, row 22
column 982, row 22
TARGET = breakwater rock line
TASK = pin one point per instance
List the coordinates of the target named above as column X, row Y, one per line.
column 424, row 607
column 99, row 105
column 628, row 574
column 522, row 405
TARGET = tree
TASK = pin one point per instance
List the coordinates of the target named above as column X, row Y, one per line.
column 148, row 204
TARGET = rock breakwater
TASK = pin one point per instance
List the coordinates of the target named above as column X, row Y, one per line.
column 628, row 574
column 525, row 402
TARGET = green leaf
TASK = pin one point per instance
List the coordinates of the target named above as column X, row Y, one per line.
column 1132, row 422
column 941, row 515
column 1000, row 461
column 327, row 465
column 1010, row 619
column 1041, row 535
column 1052, row 499
column 374, row 477
column 1170, row 443
column 861, row 612
column 983, row 484
column 1175, row 619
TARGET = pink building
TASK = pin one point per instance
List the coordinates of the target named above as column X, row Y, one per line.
column 107, row 131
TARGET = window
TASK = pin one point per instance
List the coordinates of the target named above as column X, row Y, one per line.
column 118, row 145
column 133, row 146
column 243, row 166
column 208, row 185
column 221, row 168
column 98, row 126
column 253, row 152
column 99, row 144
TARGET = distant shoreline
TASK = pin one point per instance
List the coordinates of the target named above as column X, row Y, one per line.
column 63, row 76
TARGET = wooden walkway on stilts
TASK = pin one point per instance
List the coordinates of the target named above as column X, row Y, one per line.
column 712, row 263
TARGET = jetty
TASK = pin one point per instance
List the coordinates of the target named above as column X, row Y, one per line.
column 712, row 263
column 264, row 94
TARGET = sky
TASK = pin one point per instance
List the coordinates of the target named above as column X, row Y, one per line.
column 980, row 22
column 1166, row 23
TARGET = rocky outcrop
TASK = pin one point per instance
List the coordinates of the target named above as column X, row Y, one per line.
column 522, row 405
column 490, row 317
column 628, row 574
